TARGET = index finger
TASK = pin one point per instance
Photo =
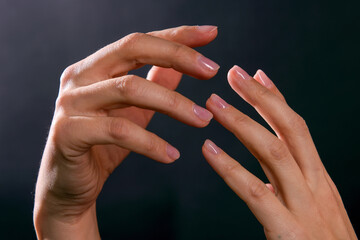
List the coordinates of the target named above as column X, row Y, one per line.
column 138, row 49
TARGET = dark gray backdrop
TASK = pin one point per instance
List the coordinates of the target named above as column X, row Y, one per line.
column 309, row 49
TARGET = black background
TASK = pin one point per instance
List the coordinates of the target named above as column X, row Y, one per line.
column 309, row 49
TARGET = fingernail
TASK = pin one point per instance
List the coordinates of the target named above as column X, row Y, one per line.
column 172, row 152
column 202, row 113
column 264, row 79
column 207, row 64
column 218, row 101
column 241, row 73
column 206, row 28
column 211, row 147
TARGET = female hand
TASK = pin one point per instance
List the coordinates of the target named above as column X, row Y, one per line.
column 100, row 116
column 301, row 202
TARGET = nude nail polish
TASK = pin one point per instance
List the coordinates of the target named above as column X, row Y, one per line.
column 264, row 78
column 206, row 28
column 172, row 152
column 218, row 101
column 211, row 147
column 202, row 113
column 207, row 64
column 241, row 73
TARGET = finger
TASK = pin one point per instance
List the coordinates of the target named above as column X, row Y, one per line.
column 263, row 79
column 79, row 134
column 261, row 201
column 166, row 77
column 132, row 90
column 191, row 36
column 277, row 162
column 287, row 124
column 137, row 49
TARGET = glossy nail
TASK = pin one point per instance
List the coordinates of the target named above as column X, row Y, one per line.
column 218, row 101
column 207, row 64
column 211, row 147
column 202, row 113
column 264, row 79
column 242, row 75
column 172, row 152
column 206, row 28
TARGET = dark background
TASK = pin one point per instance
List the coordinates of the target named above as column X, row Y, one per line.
column 309, row 49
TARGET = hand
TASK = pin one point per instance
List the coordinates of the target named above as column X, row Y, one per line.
column 100, row 116
column 301, row 202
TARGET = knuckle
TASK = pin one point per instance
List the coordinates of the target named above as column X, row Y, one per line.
column 179, row 30
column 118, row 129
column 186, row 27
column 135, row 36
column 131, row 39
column 64, row 101
column 68, row 75
column 239, row 119
column 178, row 50
column 299, row 124
column 260, row 94
column 278, row 151
column 173, row 100
column 60, row 127
column 152, row 145
column 257, row 190
column 231, row 170
column 127, row 85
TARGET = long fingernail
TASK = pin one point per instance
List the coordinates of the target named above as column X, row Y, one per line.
column 242, row 75
column 206, row 28
column 211, row 147
column 218, row 101
column 202, row 113
column 172, row 152
column 207, row 64
column 264, row 79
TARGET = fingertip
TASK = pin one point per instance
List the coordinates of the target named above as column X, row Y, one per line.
column 202, row 113
column 231, row 77
column 211, row 147
column 207, row 29
column 257, row 76
column 172, row 153
column 218, row 102
column 208, row 33
column 263, row 79
column 208, row 67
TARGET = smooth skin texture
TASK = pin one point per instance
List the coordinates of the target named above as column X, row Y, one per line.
column 100, row 116
column 301, row 201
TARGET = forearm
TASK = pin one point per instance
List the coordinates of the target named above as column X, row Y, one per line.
column 49, row 227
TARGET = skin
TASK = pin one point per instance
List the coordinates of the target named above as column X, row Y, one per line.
column 101, row 114
column 301, row 201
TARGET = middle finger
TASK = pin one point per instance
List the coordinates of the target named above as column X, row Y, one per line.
column 276, row 160
column 132, row 90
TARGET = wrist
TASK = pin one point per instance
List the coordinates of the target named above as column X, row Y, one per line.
column 56, row 226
